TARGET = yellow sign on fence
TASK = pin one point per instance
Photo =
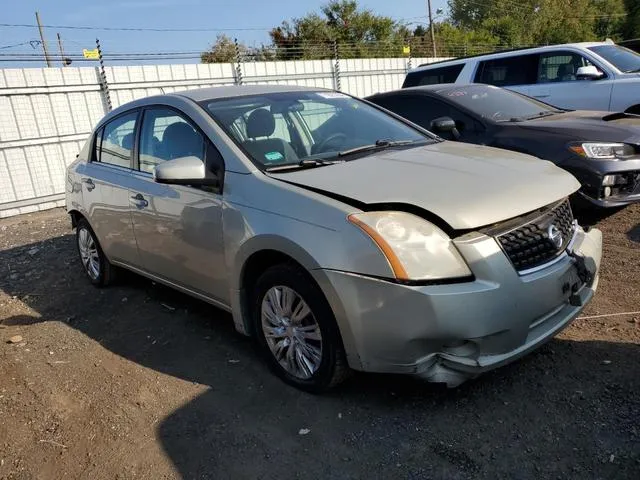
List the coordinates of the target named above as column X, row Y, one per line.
column 91, row 54
column 406, row 49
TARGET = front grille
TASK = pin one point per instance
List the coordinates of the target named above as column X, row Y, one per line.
column 537, row 238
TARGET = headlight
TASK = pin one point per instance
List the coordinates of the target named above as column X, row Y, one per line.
column 603, row 151
column 415, row 248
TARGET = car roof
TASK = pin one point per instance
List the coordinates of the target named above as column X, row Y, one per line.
column 435, row 89
column 510, row 52
column 212, row 93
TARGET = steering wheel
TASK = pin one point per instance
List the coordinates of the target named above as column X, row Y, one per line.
column 320, row 147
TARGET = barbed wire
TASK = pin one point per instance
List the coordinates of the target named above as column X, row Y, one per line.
column 418, row 47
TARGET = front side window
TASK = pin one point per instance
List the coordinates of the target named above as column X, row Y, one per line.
column 167, row 135
column 319, row 125
column 419, row 109
column 423, row 110
column 560, row 67
column 623, row 59
column 508, row 71
column 433, row 76
column 114, row 143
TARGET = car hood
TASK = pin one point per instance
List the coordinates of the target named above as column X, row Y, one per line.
column 590, row 126
column 467, row 186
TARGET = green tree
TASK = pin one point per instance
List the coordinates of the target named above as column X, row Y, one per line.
column 631, row 26
column 222, row 51
column 358, row 32
column 563, row 21
column 611, row 18
column 543, row 21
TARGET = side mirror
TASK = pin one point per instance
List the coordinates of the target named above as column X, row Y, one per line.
column 589, row 73
column 445, row 125
column 184, row 171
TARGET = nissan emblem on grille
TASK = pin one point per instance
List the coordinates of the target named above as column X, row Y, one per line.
column 555, row 235
column 539, row 238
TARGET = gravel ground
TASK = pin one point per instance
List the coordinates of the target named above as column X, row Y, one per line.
column 138, row 381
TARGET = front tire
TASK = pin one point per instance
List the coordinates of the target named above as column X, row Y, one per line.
column 94, row 262
column 296, row 330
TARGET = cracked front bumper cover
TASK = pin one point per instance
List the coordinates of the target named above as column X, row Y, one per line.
column 451, row 333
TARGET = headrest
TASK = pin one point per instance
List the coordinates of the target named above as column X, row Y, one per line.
column 260, row 123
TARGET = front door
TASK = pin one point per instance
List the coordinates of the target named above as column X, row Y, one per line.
column 558, row 83
column 178, row 228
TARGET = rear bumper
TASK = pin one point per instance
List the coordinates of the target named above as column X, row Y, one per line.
column 449, row 333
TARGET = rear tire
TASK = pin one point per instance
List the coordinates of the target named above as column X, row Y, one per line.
column 94, row 262
column 296, row 330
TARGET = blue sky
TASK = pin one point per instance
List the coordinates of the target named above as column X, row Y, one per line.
column 256, row 15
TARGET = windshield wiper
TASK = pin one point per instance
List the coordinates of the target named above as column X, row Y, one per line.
column 379, row 145
column 305, row 163
column 635, row 70
column 546, row 113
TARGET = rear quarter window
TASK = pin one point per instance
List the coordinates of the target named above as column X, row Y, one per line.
column 433, row 76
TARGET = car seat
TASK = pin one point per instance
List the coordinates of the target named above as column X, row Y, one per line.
column 260, row 124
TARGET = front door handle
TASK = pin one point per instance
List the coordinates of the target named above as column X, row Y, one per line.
column 542, row 96
column 89, row 183
column 139, row 201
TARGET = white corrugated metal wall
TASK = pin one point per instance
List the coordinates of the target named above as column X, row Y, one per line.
column 46, row 113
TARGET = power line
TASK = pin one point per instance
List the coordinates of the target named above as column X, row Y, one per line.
column 31, row 42
column 134, row 29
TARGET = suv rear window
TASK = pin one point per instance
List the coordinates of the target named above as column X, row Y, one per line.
column 433, row 76
column 503, row 72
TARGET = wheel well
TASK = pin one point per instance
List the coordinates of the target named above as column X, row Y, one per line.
column 254, row 266
column 635, row 110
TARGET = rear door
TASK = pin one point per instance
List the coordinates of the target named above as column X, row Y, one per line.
column 105, row 188
column 178, row 228
column 557, row 83
column 517, row 72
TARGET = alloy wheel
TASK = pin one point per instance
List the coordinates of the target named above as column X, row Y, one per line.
column 89, row 253
column 291, row 331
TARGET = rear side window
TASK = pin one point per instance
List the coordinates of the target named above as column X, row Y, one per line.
column 433, row 76
column 504, row 72
column 114, row 141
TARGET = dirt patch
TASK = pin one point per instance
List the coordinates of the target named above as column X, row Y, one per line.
column 138, row 381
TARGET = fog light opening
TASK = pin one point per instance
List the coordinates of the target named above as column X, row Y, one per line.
column 608, row 180
column 607, row 192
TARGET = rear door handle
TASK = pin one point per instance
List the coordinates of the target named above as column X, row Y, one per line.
column 542, row 96
column 89, row 183
column 139, row 201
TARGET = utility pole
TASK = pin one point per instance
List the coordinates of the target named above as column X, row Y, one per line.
column 64, row 62
column 44, row 43
column 433, row 36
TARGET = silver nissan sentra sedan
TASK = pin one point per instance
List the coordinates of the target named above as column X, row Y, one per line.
column 339, row 235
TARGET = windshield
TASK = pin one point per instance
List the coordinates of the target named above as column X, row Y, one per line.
column 296, row 128
column 497, row 104
column 623, row 59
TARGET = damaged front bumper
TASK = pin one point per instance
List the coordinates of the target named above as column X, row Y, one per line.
column 450, row 333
